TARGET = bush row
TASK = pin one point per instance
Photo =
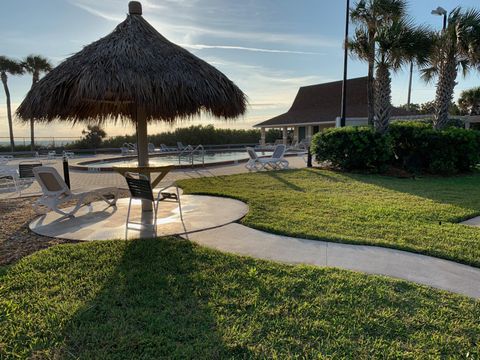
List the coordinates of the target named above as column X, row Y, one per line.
column 193, row 135
column 413, row 146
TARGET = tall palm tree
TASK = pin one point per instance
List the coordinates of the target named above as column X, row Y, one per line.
column 397, row 44
column 370, row 15
column 35, row 65
column 457, row 48
column 9, row 66
column 469, row 101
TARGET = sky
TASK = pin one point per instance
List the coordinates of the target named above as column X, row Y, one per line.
column 269, row 48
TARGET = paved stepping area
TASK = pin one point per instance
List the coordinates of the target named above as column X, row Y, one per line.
column 100, row 222
column 443, row 274
column 472, row 222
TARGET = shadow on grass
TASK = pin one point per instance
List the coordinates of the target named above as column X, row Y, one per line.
column 154, row 306
column 278, row 176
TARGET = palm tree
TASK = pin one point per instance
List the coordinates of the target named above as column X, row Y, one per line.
column 9, row 66
column 456, row 48
column 397, row 44
column 370, row 15
column 469, row 101
column 35, row 65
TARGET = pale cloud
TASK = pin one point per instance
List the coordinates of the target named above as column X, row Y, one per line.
column 98, row 13
column 231, row 47
column 187, row 29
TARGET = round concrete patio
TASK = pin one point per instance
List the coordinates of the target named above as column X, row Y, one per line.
column 100, row 222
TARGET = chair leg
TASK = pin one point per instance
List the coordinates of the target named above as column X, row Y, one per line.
column 155, row 206
column 179, row 204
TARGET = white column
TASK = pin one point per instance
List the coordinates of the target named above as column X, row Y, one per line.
column 295, row 134
column 309, row 132
column 262, row 136
column 285, row 136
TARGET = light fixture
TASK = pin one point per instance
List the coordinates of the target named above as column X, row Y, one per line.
column 439, row 11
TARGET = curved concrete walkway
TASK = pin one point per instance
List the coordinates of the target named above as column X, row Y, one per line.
column 426, row 270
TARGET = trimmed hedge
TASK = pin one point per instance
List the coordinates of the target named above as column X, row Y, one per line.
column 353, row 148
column 413, row 146
column 420, row 148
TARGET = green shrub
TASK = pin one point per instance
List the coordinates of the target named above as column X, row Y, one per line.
column 353, row 148
column 419, row 148
column 412, row 145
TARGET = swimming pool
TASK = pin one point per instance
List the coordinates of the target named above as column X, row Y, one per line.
column 211, row 158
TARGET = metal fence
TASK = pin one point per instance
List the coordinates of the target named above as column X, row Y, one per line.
column 46, row 141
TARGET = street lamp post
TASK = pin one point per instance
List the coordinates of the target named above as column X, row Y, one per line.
column 345, row 63
column 441, row 12
column 438, row 11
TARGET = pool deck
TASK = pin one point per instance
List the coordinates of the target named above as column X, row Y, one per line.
column 85, row 179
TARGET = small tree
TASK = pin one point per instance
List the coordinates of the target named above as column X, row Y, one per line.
column 370, row 16
column 469, row 102
column 456, row 48
column 35, row 65
column 12, row 67
column 93, row 136
column 397, row 44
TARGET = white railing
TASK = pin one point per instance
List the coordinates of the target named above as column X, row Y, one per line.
column 190, row 155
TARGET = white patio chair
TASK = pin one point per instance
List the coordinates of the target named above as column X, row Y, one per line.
column 8, row 178
column 4, row 159
column 165, row 148
column 141, row 189
column 68, row 154
column 51, row 155
column 128, row 149
column 56, row 192
column 274, row 162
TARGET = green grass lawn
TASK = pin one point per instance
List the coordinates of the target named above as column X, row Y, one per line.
column 418, row 215
column 149, row 299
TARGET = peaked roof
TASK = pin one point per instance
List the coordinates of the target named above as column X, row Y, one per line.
column 322, row 103
column 132, row 67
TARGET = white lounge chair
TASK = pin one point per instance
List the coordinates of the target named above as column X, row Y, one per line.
column 128, row 149
column 165, row 148
column 56, row 193
column 275, row 162
column 4, row 159
column 68, row 154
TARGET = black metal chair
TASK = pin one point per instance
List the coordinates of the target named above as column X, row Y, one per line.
column 25, row 174
column 141, row 189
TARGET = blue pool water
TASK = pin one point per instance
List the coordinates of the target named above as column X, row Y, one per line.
column 211, row 157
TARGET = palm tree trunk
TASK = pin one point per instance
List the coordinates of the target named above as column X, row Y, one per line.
column 383, row 98
column 444, row 93
column 32, row 135
column 371, row 78
column 9, row 110
column 35, row 78
column 370, row 92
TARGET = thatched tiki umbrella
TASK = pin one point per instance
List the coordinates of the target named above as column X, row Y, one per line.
column 133, row 74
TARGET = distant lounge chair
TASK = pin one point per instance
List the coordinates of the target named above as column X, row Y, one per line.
column 4, row 159
column 68, row 154
column 128, row 149
column 165, row 148
column 275, row 162
column 182, row 147
column 56, row 193
column 152, row 149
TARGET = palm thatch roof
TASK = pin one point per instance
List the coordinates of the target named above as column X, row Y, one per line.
column 132, row 67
